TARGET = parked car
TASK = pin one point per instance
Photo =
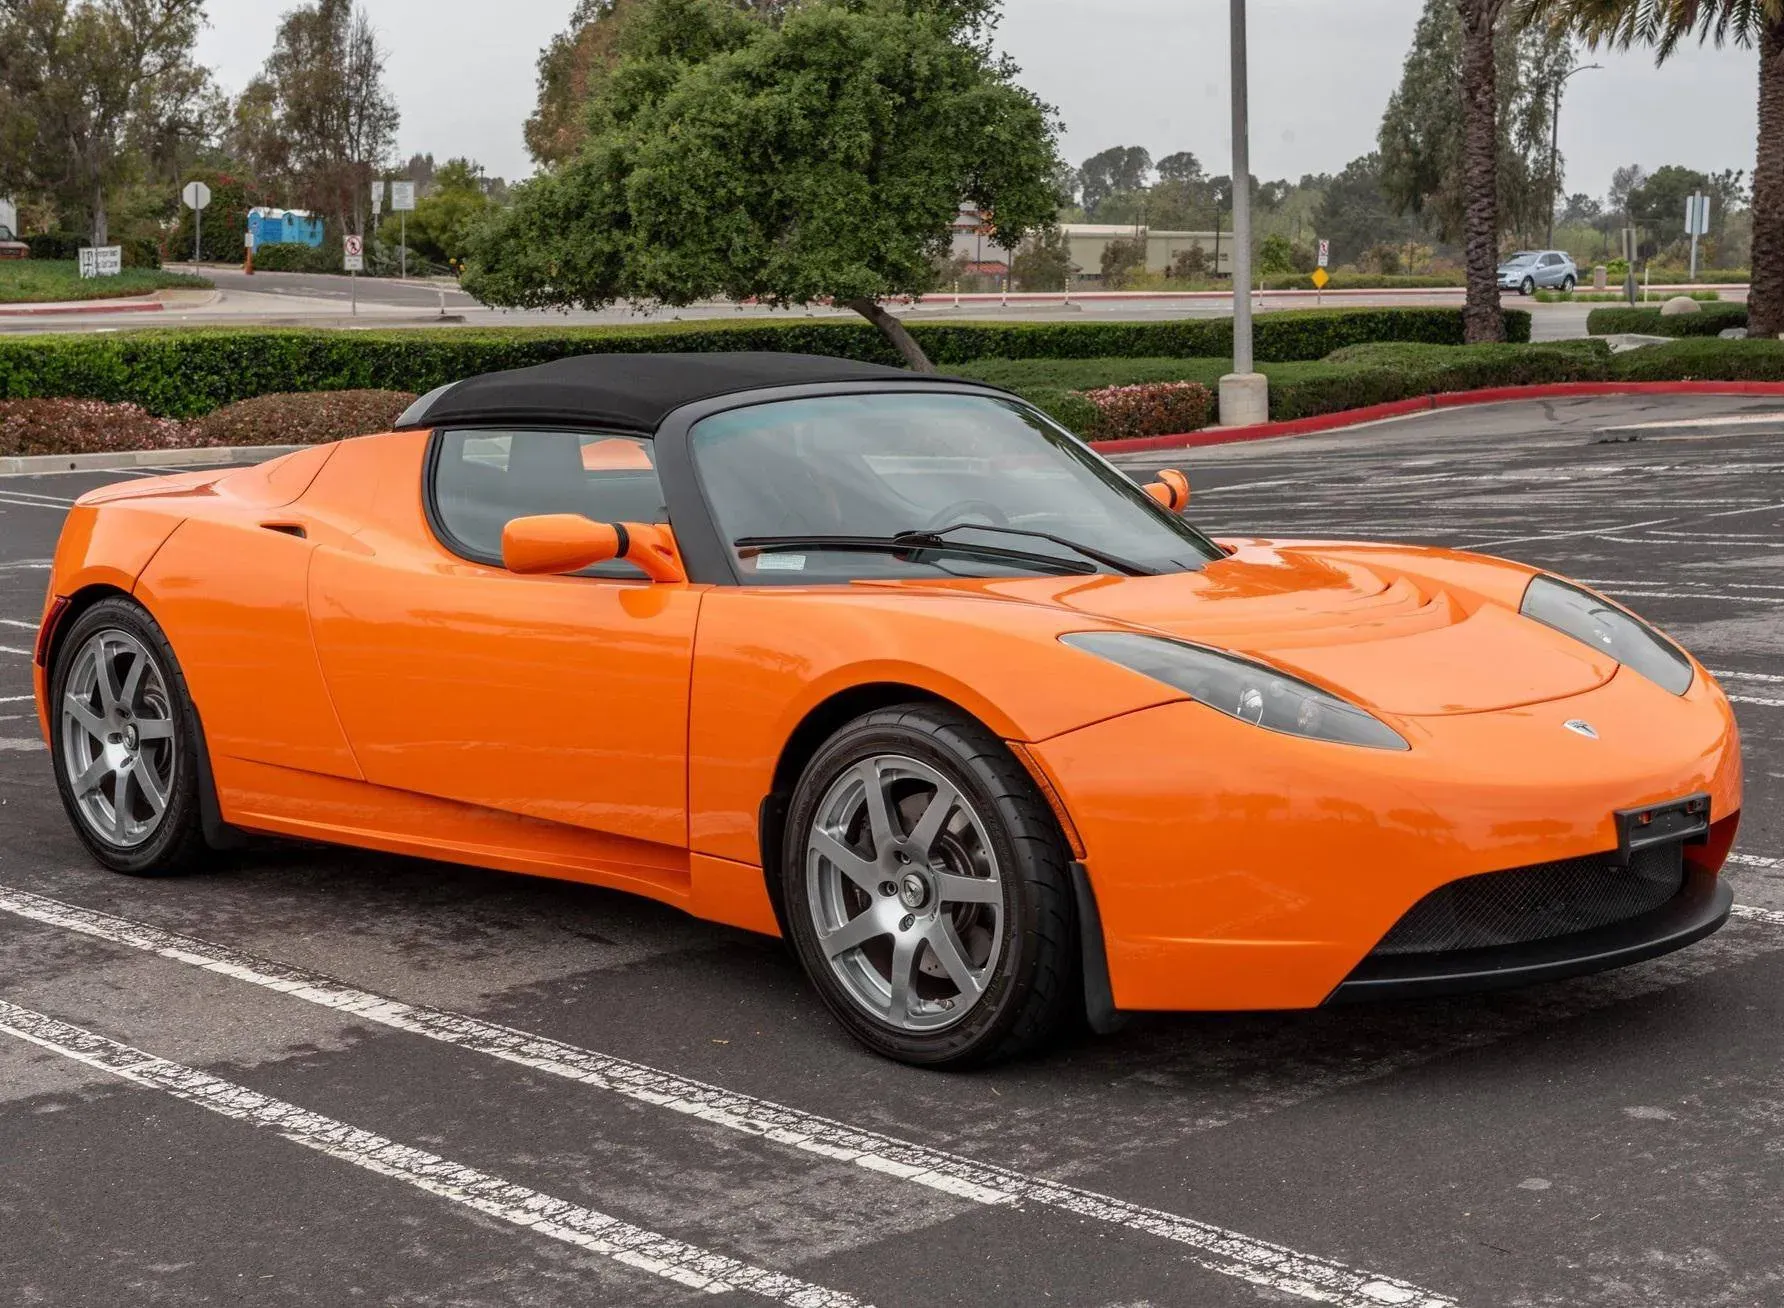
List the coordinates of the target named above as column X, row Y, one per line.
column 11, row 247
column 897, row 668
column 1529, row 271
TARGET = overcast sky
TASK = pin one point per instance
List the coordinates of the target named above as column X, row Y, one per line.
column 1121, row 72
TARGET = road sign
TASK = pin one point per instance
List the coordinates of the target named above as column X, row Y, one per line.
column 196, row 195
column 377, row 196
column 1325, row 254
column 1697, row 215
column 102, row 261
column 354, row 249
column 1321, row 277
column 402, row 196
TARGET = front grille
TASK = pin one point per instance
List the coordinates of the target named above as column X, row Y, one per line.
column 1537, row 903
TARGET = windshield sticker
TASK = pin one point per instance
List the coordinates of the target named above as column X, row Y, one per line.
column 780, row 563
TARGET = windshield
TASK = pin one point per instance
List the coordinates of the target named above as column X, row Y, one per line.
column 870, row 467
column 1519, row 260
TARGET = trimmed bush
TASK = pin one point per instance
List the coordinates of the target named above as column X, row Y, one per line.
column 188, row 374
column 294, row 256
column 84, row 427
column 308, row 419
column 1153, row 409
column 1702, row 360
column 1711, row 320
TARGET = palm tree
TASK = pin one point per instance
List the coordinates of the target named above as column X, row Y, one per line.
column 1481, row 319
column 1665, row 24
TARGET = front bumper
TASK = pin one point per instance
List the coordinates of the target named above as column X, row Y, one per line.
column 1239, row 869
column 1699, row 910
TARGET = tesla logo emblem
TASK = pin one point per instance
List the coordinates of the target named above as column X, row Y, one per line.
column 1580, row 727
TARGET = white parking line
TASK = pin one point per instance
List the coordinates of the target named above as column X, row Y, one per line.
column 15, row 622
column 15, row 699
column 1768, row 677
column 1227, row 1252
column 1754, row 699
column 19, row 502
column 8, row 649
column 660, row 1255
column 1754, row 860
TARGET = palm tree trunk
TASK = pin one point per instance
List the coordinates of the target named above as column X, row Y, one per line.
column 1765, row 305
column 1481, row 319
column 894, row 331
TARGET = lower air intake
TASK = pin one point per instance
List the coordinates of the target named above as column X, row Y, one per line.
column 1537, row 903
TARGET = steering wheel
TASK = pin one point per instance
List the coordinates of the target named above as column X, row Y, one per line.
column 950, row 516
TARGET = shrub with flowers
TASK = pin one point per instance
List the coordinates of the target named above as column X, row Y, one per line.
column 95, row 427
column 1153, row 409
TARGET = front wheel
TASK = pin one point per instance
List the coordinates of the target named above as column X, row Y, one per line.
column 1529, row 287
column 927, row 891
column 124, row 741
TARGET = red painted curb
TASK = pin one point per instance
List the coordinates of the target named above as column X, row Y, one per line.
column 1425, row 403
column 82, row 306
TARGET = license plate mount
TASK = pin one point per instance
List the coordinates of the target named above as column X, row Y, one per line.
column 1686, row 821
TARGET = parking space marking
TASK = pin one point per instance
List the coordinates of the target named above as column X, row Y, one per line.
column 660, row 1255
column 1754, row 860
column 19, row 502
column 1770, row 916
column 1754, row 699
column 23, row 745
column 1213, row 1248
column 16, row 622
column 8, row 649
column 15, row 699
column 1767, row 677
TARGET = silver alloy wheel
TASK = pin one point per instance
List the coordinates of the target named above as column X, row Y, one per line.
column 118, row 748
column 905, row 893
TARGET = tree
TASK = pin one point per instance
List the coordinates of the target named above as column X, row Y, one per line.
column 1180, row 167
column 825, row 156
column 1665, row 25
column 327, row 112
column 1117, row 169
column 1624, row 181
column 86, row 90
column 1044, row 263
column 568, row 71
column 1355, row 214
column 1480, row 157
column 1275, row 255
column 1122, row 258
column 445, row 218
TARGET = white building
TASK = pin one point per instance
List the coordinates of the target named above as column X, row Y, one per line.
column 1087, row 242
column 9, row 216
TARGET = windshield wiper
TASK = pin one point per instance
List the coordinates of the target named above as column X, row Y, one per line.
column 1108, row 560
column 909, row 543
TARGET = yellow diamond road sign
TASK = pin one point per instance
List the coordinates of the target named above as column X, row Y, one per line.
column 1320, row 278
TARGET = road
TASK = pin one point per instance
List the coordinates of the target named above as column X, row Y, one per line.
column 325, row 300
column 583, row 1098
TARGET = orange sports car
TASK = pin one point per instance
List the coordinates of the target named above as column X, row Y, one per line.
column 898, row 669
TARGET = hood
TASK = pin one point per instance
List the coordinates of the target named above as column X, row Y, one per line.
column 1379, row 634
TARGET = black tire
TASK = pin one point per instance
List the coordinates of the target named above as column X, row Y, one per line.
column 177, row 844
column 1567, row 285
column 1529, row 287
column 1034, row 990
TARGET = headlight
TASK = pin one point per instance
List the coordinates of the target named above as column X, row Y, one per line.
column 1604, row 626
column 1251, row 692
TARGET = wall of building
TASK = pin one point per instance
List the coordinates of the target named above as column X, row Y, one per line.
column 1089, row 240
column 9, row 216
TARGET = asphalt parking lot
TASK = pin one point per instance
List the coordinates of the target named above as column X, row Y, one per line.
column 316, row 1076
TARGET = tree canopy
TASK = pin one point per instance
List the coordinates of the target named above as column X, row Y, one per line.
column 822, row 156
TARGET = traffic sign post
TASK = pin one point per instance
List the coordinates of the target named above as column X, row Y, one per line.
column 402, row 200
column 353, row 250
column 1630, row 246
column 1697, row 223
column 1325, row 254
column 196, row 196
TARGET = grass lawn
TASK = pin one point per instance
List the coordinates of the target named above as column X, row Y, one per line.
column 37, row 281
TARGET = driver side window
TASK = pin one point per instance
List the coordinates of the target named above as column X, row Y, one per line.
column 480, row 481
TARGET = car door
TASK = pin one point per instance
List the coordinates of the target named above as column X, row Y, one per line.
column 561, row 699
column 1553, row 270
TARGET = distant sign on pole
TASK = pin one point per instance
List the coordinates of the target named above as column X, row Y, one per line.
column 102, row 261
column 196, row 195
column 402, row 196
column 1325, row 254
column 1320, row 278
column 1697, row 215
column 354, row 249
column 377, row 196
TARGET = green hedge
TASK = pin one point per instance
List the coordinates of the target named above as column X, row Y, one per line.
column 1702, row 360
column 295, row 256
column 1710, row 320
column 187, row 374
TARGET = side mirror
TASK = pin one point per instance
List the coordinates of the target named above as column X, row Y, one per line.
column 1171, row 490
column 551, row 544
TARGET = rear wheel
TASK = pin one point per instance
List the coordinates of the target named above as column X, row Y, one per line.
column 927, row 891
column 124, row 741
column 1567, row 285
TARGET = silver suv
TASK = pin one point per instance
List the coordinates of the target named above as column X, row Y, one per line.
column 1531, row 270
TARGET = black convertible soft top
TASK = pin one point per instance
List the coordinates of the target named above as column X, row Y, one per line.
column 625, row 392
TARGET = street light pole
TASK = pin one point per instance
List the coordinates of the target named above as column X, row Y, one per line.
column 1244, row 394
column 1555, row 146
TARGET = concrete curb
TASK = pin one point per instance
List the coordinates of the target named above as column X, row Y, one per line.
column 1429, row 403
column 81, row 306
column 32, row 465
